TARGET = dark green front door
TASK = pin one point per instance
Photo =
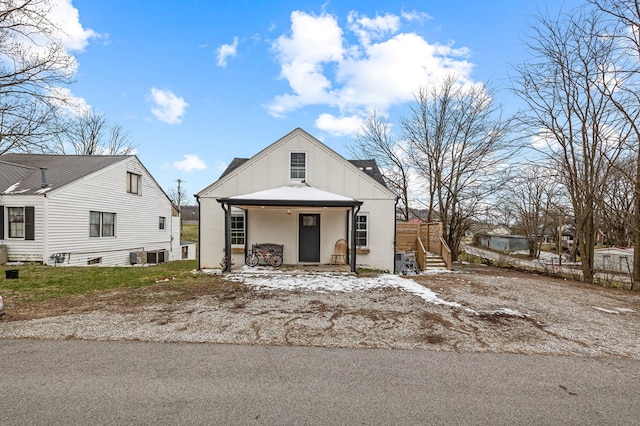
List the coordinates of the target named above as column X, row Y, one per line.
column 309, row 238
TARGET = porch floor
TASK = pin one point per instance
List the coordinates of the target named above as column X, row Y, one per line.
column 316, row 268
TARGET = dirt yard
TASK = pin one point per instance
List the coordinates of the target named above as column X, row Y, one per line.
column 479, row 309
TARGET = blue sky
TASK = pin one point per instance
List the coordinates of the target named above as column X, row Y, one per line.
column 197, row 83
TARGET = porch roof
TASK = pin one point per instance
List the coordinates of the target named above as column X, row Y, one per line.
column 289, row 196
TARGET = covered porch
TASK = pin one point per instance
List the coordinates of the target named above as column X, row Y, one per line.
column 305, row 220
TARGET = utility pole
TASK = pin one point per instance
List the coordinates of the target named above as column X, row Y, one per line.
column 179, row 195
column 179, row 204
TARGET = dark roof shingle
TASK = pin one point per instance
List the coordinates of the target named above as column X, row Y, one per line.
column 21, row 174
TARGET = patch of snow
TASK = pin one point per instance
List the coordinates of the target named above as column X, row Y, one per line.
column 625, row 310
column 44, row 190
column 270, row 279
column 12, row 188
column 286, row 193
column 608, row 311
column 509, row 312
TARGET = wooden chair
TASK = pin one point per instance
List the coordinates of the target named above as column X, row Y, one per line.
column 339, row 256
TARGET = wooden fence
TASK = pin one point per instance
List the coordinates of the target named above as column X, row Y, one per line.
column 408, row 236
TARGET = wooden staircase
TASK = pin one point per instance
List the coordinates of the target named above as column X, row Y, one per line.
column 425, row 239
column 433, row 261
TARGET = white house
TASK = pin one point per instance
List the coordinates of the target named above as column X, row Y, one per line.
column 84, row 210
column 299, row 193
column 614, row 259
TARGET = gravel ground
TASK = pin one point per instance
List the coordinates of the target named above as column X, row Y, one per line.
column 481, row 309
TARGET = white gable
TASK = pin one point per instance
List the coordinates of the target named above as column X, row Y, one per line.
column 326, row 170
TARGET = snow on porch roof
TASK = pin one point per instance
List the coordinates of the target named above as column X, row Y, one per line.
column 291, row 196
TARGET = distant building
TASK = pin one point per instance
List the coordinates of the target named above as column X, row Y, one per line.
column 190, row 215
column 504, row 243
column 614, row 259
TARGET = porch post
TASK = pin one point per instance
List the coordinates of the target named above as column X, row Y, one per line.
column 227, row 237
column 354, row 213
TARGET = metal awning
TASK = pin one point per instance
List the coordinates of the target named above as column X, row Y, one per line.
column 290, row 196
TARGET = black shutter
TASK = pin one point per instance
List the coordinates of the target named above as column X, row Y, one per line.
column 1, row 222
column 29, row 223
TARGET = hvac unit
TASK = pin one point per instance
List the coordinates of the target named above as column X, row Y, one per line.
column 138, row 257
column 152, row 257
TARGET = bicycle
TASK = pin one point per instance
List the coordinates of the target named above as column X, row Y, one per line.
column 272, row 259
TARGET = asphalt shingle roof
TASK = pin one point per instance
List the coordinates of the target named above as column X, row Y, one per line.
column 21, row 174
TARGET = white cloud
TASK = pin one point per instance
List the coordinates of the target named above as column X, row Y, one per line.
column 382, row 68
column 190, row 163
column 64, row 99
column 227, row 51
column 73, row 35
column 338, row 126
column 168, row 107
column 544, row 140
column 413, row 15
column 368, row 29
column 58, row 28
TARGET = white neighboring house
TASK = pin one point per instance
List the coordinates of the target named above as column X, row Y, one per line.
column 84, row 210
column 614, row 259
column 301, row 194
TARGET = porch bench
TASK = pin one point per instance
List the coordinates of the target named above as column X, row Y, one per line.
column 270, row 247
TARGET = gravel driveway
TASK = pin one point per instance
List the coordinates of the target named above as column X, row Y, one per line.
column 475, row 309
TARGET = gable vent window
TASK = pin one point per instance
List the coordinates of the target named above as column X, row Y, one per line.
column 134, row 183
column 298, row 166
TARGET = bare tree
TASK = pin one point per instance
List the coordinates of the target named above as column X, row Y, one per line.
column 178, row 195
column 32, row 62
column 618, row 212
column 581, row 133
column 374, row 141
column 532, row 195
column 458, row 145
column 91, row 134
column 625, row 19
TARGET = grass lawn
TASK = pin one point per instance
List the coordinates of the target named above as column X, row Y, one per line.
column 37, row 283
column 190, row 233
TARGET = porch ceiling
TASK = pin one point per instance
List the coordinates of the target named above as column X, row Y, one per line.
column 291, row 196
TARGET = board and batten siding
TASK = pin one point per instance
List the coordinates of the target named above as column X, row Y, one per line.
column 137, row 217
column 325, row 170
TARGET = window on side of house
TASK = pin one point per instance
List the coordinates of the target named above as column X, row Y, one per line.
column 134, row 183
column 162, row 223
column 102, row 224
column 298, row 166
column 16, row 222
column 237, row 229
column 362, row 230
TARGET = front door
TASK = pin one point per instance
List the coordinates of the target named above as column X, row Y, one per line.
column 309, row 238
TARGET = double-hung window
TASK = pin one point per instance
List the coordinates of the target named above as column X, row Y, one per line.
column 16, row 222
column 162, row 222
column 102, row 224
column 134, row 183
column 362, row 230
column 298, row 166
column 237, row 229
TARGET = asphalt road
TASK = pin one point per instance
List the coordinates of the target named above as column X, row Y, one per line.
column 83, row 382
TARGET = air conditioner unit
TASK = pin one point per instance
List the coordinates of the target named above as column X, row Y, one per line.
column 137, row 257
column 152, row 257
